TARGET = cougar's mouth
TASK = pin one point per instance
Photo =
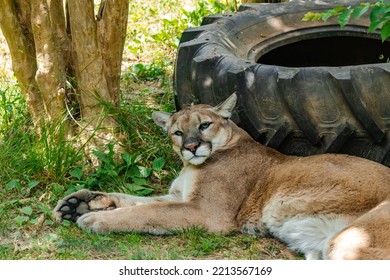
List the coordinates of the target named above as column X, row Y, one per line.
column 199, row 155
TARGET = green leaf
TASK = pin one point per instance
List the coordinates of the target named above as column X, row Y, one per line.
column 317, row 16
column 158, row 164
column 134, row 187
column 338, row 9
column 140, row 182
column 343, row 18
column 374, row 25
column 133, row 172
column 129, row 159
column 377, row 13
column 308, row 16
column 145, row 172
column 45, row 209
column 34, row 221
column 385, row 17
column 385, row 31
column 66, row 223
column 12, row 185
column 138, row 68
column 360, row 10
column 48, row 223
column 21, row 219
column 145, row 192
column 33, row 184
column 26, row 210
column 111, row 173
column 77, row 173
column 70, row 190
column 328, row 14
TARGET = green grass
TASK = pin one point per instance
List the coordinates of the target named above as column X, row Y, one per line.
column 38, row 171
column 68, row 242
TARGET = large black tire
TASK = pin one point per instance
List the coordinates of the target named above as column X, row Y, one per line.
column 303, row 87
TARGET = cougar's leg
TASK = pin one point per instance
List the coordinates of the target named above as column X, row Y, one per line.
column 84, row 201
column 156, row 218
column 366, row 238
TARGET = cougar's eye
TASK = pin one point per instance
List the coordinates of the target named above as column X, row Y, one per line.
column 178, row 133
column 204, row 126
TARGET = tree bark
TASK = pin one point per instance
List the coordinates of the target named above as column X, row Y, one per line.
column 91, row 81
column 15, row 28
column 53, row 47
column 50, row 76
column 112, row 40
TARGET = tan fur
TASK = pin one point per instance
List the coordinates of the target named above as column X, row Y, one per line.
column 325, row 206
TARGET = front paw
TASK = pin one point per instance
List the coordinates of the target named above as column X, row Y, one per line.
column 81, row 202
column 95, row 221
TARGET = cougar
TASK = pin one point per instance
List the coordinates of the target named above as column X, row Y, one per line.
column 328, row 206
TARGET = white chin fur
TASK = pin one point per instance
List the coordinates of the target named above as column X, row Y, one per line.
column 201, row 154
column 197, row 160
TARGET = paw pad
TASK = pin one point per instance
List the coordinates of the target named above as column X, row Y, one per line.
column 72, row 209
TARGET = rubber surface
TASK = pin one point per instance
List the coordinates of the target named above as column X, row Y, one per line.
column 291, row 97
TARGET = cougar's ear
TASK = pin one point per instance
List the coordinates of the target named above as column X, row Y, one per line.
column 225, row 109
column 161, row 119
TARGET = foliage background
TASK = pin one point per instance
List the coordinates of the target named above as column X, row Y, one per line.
column 379, row 13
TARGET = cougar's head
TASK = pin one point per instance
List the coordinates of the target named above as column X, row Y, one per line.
column 198, row 131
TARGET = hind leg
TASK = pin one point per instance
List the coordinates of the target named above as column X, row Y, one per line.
column 310, row 235
column 366, row 238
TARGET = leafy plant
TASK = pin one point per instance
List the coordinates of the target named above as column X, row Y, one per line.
column 161, row 25
column 26, row 213
column 126, row 175
column 379, row 16
column 148, row 72
column 204, row 8
column 12, row 106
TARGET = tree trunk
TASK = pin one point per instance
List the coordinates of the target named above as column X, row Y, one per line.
column 57, row 43
column 46, row 22
column 112, row 39
column 17, row 31
column 88, row 59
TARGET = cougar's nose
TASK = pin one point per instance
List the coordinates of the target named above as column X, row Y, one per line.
column 191, row 144
column 191, row 147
